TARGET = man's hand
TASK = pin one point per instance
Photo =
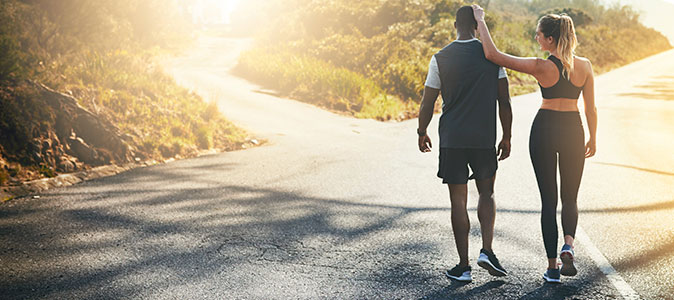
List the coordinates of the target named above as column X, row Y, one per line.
column 504, row 149
column 425, row 143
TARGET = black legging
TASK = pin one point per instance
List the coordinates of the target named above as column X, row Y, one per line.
column 556, row 133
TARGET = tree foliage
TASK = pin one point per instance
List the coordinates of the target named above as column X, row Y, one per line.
column 391, row 41
column 103, row 53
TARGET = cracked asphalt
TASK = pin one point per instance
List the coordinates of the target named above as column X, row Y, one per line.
column 337, row 207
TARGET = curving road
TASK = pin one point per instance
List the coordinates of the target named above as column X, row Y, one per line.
column 336, row 207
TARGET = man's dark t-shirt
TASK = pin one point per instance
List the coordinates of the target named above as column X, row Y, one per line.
column 469, row 87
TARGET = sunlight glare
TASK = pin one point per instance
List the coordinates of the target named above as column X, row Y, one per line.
column 212, row 11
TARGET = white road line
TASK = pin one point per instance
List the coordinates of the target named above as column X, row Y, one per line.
column 618, row 282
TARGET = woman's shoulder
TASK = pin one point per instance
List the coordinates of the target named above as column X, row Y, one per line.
column 584, row 61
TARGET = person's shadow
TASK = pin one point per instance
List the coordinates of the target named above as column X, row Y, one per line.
column 452, row 291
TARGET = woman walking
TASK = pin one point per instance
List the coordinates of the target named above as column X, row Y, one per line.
column 557, row 131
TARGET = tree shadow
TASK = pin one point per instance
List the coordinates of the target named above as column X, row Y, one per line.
column 100, row 240
column 552, row 291
column 456, row 290
column 636, row 168
column 657, row 90
column 117, row 235
column 642, row 259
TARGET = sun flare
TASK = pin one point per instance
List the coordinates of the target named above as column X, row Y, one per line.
column 212, row 11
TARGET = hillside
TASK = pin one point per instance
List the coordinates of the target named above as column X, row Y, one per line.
column 80, row 87
column 653, row 13
column 370, row 59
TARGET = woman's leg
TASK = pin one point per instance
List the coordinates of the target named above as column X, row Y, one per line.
column 571, row 164
column 544, row 160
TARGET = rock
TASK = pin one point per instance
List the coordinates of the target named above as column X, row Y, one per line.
column 46, row 144
column 166, row 150
column 82, row 151
column 65, row 165
column 127, row 137
column 36, row 156
column 98, row 132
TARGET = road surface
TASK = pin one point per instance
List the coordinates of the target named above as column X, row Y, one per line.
column 337, row 207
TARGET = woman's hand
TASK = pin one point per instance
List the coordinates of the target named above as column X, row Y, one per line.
column 478, row 12
column 590, row 148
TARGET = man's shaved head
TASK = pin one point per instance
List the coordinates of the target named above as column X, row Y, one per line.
column 465, row 20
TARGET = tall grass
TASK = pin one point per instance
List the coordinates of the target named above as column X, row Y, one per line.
column 319, row 82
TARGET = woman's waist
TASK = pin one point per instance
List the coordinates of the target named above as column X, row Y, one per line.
column 560, row 104
column 556, row 118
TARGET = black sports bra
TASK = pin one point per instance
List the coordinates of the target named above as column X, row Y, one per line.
column 563, row 88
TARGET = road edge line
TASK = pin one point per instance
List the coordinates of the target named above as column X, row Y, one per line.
column 605, row 267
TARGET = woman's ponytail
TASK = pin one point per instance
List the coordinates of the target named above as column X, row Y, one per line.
column 567, row 43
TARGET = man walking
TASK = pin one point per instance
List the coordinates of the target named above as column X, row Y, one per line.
column 471, row 86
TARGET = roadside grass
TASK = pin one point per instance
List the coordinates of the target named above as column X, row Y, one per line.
column 135, row 94
column 318, row 82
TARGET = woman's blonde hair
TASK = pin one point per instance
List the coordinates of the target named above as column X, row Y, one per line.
column 561, row 29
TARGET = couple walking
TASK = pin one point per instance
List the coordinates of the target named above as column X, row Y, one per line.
column 467, row 73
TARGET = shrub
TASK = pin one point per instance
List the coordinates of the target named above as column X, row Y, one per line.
column 9, row 58
column 4, row 176
column 204, row 135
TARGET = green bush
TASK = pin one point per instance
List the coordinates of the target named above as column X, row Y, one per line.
column 9, row 58
column 204, row 136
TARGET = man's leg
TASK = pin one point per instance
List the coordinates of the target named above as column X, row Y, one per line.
column 484, row 165
column 486, row 210
column 458, row 195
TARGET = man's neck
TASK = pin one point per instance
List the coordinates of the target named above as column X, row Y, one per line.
column 465, row 36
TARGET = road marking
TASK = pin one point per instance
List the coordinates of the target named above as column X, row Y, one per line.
column 618, row 282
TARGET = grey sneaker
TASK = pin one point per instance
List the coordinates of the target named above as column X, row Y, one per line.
column 460, row 273
column 552, row 276
column 488, row 261
column 566, row 256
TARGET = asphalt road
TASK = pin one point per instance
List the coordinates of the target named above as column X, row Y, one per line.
column 337, row 207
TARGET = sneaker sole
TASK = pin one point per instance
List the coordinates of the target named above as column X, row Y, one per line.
column 551, row 280
column 460, row 279
column 568, row 269
column 487, row 265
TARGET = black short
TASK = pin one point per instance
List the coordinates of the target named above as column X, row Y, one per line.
column 454, row 164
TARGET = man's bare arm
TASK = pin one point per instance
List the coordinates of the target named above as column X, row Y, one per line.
column 425, row 116
column 505, row 113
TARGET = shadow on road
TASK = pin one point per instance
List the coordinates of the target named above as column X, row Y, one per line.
column 642, row 259
column 636, row 168
column 107, row 240
column 658, row 90
column 558, row 291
